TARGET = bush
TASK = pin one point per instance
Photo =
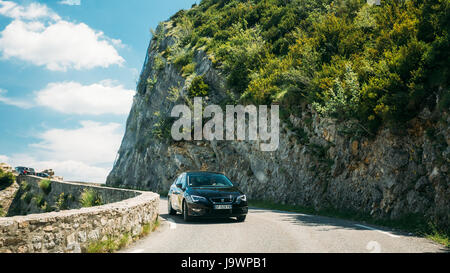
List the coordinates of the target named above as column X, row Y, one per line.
column 25, row 186
column 159, row 63
column 62, row 201
column 39, row 200
column 183, row 58
column 26, row 197
column 343, row 98
column 6, row 179
column 198, row 88
column 188, row 69
column 45, row 185
column 90, row 198
column 161, row 130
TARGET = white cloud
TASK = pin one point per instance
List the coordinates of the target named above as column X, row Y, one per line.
column 58, row 46
column 39, row 36
column 69, row 169
column 4, row 159
column 77, row 154
column 14, row 102
column 32, row 11
column 95, row 99
column 104, row 97
column 93, row 143
column 70, row 2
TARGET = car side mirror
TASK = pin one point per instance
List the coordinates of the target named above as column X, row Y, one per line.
column 180, row 186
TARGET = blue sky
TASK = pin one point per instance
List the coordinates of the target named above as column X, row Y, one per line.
column 68, row 72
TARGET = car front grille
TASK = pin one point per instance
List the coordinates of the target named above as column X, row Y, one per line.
column 216, row 200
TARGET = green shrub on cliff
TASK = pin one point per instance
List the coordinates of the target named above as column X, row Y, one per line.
column 161, row 130
column 62, row 201
column 24, row 186
column 45, row 185
column 198, row 87
column 39, row 200
column 26, row 197
column 6, row 179
column 90, row 198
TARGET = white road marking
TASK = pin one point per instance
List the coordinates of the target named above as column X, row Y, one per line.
column 373, row 247
column 172, row 224
column 137, row 251
column 381, row 231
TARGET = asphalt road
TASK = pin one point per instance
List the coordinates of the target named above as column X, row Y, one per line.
column 275, row 232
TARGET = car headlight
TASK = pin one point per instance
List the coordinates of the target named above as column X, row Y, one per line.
column 242, row 198
column 195, row 198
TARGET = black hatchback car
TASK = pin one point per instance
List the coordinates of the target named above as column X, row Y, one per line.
column 206, row 194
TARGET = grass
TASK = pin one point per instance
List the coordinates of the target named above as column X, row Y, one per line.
column 103, row 246
column 411, row 223
column 90, row 198
column 114, row 243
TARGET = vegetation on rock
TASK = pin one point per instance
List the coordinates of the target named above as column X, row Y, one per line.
column 379, row 65
column 90, row 198
column 46, row 186
column 6, row 179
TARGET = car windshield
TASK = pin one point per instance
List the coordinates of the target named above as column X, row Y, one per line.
column 209, row 180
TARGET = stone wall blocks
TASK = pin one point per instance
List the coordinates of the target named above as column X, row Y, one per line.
column 73, row 230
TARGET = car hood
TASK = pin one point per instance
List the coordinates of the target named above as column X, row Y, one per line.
column 215, row 192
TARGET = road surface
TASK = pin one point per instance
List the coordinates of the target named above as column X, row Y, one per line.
column 271, row 231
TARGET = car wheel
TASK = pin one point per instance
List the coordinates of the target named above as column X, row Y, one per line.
column 186, row 216
column 170, row 209
column 241, row 218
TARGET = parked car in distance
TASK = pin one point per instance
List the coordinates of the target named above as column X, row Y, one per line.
column 43, row 175
column 32, row 171
column 206, row 194
column 23, row 170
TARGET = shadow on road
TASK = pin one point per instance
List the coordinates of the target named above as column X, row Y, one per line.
column 178, row 219
column 326, row 223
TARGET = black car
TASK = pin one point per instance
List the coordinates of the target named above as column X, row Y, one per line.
column 206, row 194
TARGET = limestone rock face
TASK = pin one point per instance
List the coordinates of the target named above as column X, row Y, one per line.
column 390, row 175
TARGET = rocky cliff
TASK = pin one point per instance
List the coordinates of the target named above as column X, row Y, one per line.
column 320, row 162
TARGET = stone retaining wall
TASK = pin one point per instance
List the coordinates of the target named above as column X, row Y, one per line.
column 73, row 230
column 69, row 191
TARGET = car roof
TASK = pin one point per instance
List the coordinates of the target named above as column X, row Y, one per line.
column 202, row 172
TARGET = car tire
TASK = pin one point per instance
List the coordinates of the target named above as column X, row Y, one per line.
column 241, row 218
column 186, row 216
column 170, row 209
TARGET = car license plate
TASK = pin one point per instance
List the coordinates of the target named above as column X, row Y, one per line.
column 222, row 207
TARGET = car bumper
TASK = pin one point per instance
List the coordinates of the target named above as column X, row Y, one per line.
column 207, row 210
